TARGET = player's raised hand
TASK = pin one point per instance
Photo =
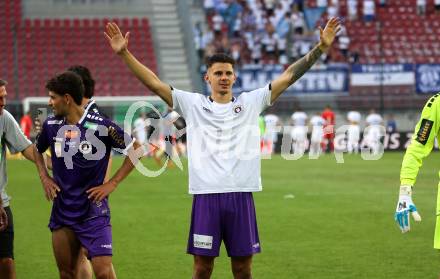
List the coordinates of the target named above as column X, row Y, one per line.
column 50, row 188
column 98, row 193
column 327, row 36
column 3, row 219
column 405, row 206
column 114, row 36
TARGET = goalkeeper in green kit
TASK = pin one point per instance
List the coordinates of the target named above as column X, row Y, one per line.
column 427, row 129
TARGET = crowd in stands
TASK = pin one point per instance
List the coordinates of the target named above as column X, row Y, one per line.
column 280, row 31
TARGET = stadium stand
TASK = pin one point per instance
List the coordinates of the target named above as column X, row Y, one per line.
column 35, row 49
column 399, row 34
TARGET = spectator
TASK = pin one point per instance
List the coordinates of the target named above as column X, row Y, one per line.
column 231, row 13
column 354, row 56
column 236, row 53
column 322, row 4
column 270, row 45
column 369, row 10
column 352, row 9
column 391, row 124
column 421, row 7
column 26, row 124
column 332, row 11
column 217, row 22
column 248, row 20
column 344, row 42
column 209, row 7
column 279, row 13
column 237, row 26
column 256, row 52
column 437, row 5
column 298, row 22
column 283, row 26
column 198, row 41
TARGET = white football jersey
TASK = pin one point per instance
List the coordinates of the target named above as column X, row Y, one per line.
column 299, row 118
column 374, row 119
column 317, row 123
column 223, row 140
column 140, row 129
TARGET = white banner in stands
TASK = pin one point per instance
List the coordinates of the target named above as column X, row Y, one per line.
column 389, row 74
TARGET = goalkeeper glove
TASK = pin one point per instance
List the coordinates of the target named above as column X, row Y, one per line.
column 405, row 205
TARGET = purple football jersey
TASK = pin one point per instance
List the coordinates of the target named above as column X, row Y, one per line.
column 80, row 155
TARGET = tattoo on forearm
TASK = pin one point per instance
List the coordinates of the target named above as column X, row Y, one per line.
column 301, row 66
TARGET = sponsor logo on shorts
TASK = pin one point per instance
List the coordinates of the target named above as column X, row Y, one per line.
column 202, row 241
column 256, row 245
column 106, row 246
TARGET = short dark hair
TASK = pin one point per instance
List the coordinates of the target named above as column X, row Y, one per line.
column 3, row 82
column 67, row 83
column 86, row 76
column 219, row 58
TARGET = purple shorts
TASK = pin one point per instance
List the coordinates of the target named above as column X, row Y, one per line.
column 226, row 216
column 95, row 235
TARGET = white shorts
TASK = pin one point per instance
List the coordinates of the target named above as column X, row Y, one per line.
column 299, row 133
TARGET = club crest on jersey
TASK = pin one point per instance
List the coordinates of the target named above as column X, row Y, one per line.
column 237, row 109
column 85, row 147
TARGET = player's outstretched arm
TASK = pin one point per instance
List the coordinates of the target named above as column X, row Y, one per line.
column 98, row 193
column 301, row 66
column 119, row 45
column 49, row 185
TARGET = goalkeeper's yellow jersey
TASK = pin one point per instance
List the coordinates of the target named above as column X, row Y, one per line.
column 422, row 141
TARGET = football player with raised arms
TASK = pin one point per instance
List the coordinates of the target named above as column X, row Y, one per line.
column 223, row 143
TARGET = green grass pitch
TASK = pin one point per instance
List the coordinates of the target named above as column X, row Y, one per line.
column 337, row 223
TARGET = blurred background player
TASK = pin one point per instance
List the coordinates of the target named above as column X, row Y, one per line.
column 299, row 131
column 222, row 184
column 154, row 136
column 391, row 124
column 317, row 124
column 26, row 124
column 329, row 129
column 373, row 131
column 262, row 128
column 14, row 139
column 80, row 215
column 140, row 127
column 354, row 131
column 168, row 130
column 270, row 137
